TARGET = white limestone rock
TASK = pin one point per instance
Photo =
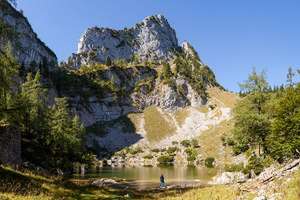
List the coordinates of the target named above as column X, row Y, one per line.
column 27, row 47
column 152, row 39
column 229, row 178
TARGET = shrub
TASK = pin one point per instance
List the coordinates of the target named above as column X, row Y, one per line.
column 155, row 150
column 165, row 159
column 191, row 154
column 209, row 162
column 185, row 143
column 174, row 143
column 234, row 167
column 195, row 143
column 134, row 151
column 149, row 156
column 172, row 150
column 254, row 163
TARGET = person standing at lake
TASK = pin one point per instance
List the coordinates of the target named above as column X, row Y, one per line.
column 162, row 181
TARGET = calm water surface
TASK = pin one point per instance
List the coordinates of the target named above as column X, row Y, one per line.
column 152, row 174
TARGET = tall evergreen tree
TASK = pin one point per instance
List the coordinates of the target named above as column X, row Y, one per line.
column 251, row 120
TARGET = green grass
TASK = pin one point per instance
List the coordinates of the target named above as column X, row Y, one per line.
column 17, row 185
column 292, row 190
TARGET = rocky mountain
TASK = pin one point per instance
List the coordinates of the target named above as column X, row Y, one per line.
column 153, row 93
column 152, row 39
column 151, row 77
column 26, row 45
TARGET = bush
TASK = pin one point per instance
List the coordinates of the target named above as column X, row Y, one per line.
column 234, row 167
column 134, row 151
column 185, row 143
column 239, row 148
column 209, row 162
column 195, row 143
column 149, row 156
column 174, row 143
column 172, row 150
column 254, row 163
column 191, row 154
column 155, row 150
column 165, row 159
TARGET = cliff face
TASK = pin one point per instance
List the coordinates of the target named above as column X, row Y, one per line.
column 136, row 80
column 105, row 96
column 26, row 46
column 152, row 39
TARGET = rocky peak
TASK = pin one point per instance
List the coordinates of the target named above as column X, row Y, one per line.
column 27, row 47
column 152, row 39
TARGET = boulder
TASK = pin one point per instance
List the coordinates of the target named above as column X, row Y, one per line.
column 229, row 178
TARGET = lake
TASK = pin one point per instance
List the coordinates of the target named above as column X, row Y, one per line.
column 149, row 176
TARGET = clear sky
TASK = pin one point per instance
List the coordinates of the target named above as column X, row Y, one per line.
column 231, row 36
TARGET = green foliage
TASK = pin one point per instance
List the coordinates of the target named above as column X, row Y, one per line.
column 268, row 119
column 186, row 143
column 149, row 156
column 255, row 164
column 191, row 154
column 252, row 123
column 166, row 159
column 209, row 162
column 167, row 76
column 198, row 75
column 134, row 151
column 284, row 140
column 172, row 150
column 45, row 131
column 234, row 167
column 195, row 143
column 155, row 150
column 147, row 85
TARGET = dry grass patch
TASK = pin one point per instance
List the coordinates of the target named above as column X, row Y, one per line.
column 136, row 119
column 229, row 99
column 203, row 109
column 157, row 125
column 209, row 193
column 181, row 115
column 211, row 143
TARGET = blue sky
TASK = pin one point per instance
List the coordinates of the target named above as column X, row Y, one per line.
column 231, row 36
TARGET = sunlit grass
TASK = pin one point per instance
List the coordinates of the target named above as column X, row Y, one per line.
column 181, row 115
column 136, row 119
column 292, row 190
column 208, row 193
column 211, row 144
column 156, row 124
column 223, row 98
column 203, row 109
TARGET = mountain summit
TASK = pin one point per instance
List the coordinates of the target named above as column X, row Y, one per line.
column 152, row 39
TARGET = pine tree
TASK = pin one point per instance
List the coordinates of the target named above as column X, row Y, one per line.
column 290, row 75
column 8, row 71
column 34, row 102
column 108, row 61
column 251, row 121
column 65, row 135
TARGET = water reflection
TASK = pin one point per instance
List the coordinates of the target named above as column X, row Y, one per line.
column 152, row 174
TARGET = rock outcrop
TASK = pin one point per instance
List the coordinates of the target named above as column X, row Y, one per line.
column 26, row 46
column 152, row 39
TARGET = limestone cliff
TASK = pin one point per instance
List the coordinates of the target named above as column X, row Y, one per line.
column 26, row 45
column 152, row 39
